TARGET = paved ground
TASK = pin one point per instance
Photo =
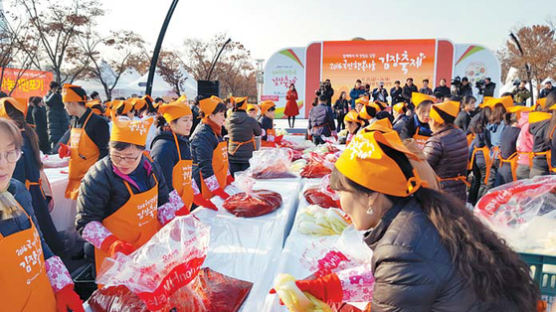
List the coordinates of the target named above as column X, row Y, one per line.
column 300, row 125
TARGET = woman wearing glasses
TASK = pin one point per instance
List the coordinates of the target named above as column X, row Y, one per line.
column 123, row 200
column 33, row 278
column 28, row 171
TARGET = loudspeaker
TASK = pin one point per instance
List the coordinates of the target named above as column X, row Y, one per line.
column 206, row 88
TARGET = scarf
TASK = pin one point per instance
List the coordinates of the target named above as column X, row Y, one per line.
column 216, row 128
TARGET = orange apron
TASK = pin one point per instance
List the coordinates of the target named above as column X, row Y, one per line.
column 219, row 167
column 512, row 161
column 239, row 144
column 181, row 177
column 420, row 140
column 135, row 222
column 488, row 161
column 24, row 285
column 84, row 154
column 470, row 137
column 458, row 178
column 265, row 143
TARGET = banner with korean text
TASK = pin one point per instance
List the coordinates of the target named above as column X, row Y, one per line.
column 374, row 61
column 25, row 83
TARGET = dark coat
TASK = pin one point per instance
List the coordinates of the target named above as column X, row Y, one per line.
column 410, row 128
column 57, row 117
column 41, row 127
column 462, row 120
column 441, row 91
column 21, row 222
column 241, row 128
column 399, row 123
column 489, row 89
column 540, row 143
column 266, row 124
column 380, row 95
column 413, row 270
column 507, row 148
column 321, row 121
column 103, row 192
column 544, row 92
column 446, row 151
column 465, row 90
column 27, row 169
column 396, row 95
column 407, row 91
column 196, row 117
column 354, row 94
column 341, row 108
column 165, row 153
column 203, row 143
column 97, row 130
column 427, row 91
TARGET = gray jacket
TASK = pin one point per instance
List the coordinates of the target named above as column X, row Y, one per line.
column 446, row 151
column 241, row 128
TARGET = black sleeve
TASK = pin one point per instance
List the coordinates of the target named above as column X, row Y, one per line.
column 164, row 154
column 203, row 150
column 330, row 120
column 94, row 195
column 256, row 127
column 99, row 134
column 163, row 193
column 407, row 131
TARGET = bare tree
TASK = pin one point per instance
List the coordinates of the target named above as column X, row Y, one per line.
column 56, row 25
column 233, row 69
column 110, row 56
column 539, row 52
column 17, row 51
column 172, row 70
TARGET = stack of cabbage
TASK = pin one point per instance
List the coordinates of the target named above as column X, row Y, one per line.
column 314, row 220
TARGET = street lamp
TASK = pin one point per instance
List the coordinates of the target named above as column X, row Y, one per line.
column 156, row 52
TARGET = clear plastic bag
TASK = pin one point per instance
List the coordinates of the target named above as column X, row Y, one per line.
column 317, row 167
column 270, row 164
column 164, row 265
column 523, row 213
column 321, row 194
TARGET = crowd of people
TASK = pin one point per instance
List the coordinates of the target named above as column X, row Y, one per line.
column 504, row 139
column 136, row 163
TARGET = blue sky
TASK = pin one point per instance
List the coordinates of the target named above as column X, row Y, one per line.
column 267, row 26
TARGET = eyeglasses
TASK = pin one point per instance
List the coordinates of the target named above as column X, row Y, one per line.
column 121, row 159
column 11, row 156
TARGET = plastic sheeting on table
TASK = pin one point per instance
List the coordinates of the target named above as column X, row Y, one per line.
column 299, row 249
column 64, row 212
column 249, row 248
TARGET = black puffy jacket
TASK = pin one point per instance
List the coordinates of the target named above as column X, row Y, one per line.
column 446, row 151
column 103, row 192
column 399, row 123
column 203, row 143
column 266, row 124
column 241, row 128
column 165, row 153
column 540, row 143
column 410, row 128
column 41, row 127
column 413, row 270
column 57, row 117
